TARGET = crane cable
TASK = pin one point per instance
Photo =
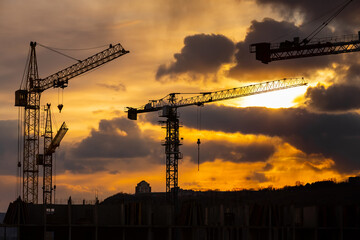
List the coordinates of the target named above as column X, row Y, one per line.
column 313, row 21
column 198, row 123
column 324, row 24
column 65, row 55
column 20, row 130
column 57, row 50
column 54, row 177
column 18, row 170
column 79, row 49
column 26, row 67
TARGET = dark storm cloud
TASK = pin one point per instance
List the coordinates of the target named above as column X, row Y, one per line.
column 335, row 136
column 8, row 147
column 212, row 150
column 318, row 10
column 343, row 95
column 202, row 53
column 119, row 142
column 270, row 30
column 337, row 97
column 116, row 138
column 206, row 53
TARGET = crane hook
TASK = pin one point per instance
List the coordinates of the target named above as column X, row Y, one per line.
column 60, row 107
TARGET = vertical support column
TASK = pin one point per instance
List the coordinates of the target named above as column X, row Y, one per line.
column 48, row 159
column 31, row 131
column 172, row 152
column 31, row 149
column 172, row 143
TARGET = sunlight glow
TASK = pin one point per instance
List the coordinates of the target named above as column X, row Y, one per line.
column 278, row 99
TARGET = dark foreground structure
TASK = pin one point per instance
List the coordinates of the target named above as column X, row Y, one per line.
column 322, row 210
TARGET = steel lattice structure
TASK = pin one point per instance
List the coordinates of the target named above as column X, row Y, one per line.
column 171, row 103
column 31, row 131
column 29, row 98
column 207, row 97
column 47, row 159
column 60, row 79
column 267, row 52
column 172, row 151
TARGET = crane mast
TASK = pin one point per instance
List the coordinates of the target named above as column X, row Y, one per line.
column 267, row 52
column 46, row 159
column 29, row 98
column 170, row 103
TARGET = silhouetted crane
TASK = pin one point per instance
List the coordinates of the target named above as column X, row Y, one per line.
column 29, row 98
column 170, row 103
column 267, row 52
column 308, row 47
column 46, row 159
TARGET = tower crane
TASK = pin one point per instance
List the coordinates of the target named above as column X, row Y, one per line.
column 46, row 159
column 28, row 96
column 170, row 103
column 309, row 46
column 267, row 52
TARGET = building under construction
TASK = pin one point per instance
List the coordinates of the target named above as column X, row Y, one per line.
column 322, row 210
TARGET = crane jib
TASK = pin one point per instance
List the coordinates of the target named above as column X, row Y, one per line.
column 171, row 101
column 60, row 79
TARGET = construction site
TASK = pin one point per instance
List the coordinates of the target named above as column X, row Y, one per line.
column 313, row 211
column 322, row 210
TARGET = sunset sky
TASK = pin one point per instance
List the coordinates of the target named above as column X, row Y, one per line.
column 304, row 134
